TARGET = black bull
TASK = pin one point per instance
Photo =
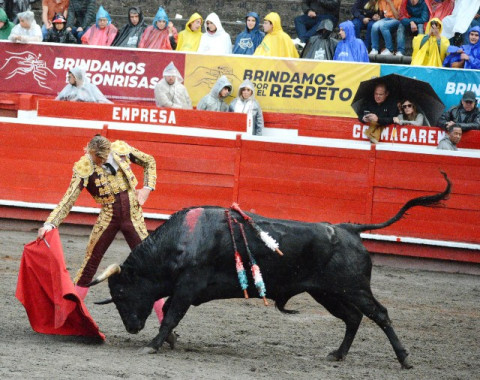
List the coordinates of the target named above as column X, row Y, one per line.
column 190, row 259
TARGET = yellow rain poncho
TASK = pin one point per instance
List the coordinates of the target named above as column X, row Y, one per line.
column 189, row 40
column 427, row 50
column 277, row 43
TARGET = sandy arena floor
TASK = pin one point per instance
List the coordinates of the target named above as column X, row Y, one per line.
column 436, row 315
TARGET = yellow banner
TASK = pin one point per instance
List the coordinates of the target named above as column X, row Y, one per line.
column 283, row 85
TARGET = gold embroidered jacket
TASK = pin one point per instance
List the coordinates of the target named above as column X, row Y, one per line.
column 100, row 183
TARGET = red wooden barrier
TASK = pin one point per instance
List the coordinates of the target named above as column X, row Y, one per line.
column 309, row 183
column 142, row 114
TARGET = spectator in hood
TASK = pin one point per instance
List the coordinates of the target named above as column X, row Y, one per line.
column 189, row 38
column 365, row 13
column 248, row 40
column 161, row 34
column 103, row 32
column 475, row 22
column 276, row 43
column 50, row 8
column 466, row 115
column 245, row 102
column 315, row 11
column 129, row 36
column 27, row 30
column 79, row 88
column 350, row 48
column 81, row 14
column 59, row 32
column 215, row 100
column 6, row 25
column 466, row 56
column 170, row 92
column 321, row 46
column 430, row 49
column 215, row 40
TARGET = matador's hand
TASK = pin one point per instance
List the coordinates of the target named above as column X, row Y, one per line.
column 142, row 195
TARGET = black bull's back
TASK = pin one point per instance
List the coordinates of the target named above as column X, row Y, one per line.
column 190, row 259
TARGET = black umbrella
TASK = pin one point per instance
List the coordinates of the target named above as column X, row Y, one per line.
column 400, row 87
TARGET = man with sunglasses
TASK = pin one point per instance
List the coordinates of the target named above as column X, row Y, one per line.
column 466, row 115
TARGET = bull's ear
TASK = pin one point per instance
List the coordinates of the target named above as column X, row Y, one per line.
column 104, row 302
column 111, row 270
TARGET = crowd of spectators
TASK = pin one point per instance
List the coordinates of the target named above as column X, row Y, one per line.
column 442, row 31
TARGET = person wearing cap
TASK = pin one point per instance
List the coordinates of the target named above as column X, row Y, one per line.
column 50, row 8
column 59, row 32
column 451, row 139
column 215, row 100
column 466, row 115
column 170, row 92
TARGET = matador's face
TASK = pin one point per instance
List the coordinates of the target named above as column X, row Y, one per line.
column 99, row 161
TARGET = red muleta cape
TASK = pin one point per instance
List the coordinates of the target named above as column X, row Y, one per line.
column 46, row 291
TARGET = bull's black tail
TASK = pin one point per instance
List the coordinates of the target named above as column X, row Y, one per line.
column 426, row 201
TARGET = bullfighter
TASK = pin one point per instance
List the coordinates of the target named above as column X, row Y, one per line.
column 105, row 171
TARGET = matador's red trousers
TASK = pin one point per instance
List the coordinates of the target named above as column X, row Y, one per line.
column 125, row 215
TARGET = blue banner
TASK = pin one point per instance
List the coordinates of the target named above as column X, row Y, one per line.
column 449, row 84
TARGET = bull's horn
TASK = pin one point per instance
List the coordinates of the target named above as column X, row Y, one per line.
column 104, row 302
column 109, row 271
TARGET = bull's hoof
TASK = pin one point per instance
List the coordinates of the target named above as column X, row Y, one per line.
column 148, row 350
column 334, row 356
column 172, row 339
column 406, row 364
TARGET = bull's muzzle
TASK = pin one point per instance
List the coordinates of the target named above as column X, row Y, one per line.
column 109, row 271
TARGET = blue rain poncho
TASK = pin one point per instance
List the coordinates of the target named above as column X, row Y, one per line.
column 351, row 48
column 472, row 50
column 248, row 40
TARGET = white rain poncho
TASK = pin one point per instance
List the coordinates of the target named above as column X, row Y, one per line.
column 82, row 90
column 32, row 34
column 249, row 106
column 172, row 95
column 461, row 17
column 215, row 43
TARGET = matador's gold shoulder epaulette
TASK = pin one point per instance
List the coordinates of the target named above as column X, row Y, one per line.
column 121, row 148
column 83, row 167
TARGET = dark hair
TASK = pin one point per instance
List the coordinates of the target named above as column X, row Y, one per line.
column 414, row 114
column 450, row 128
